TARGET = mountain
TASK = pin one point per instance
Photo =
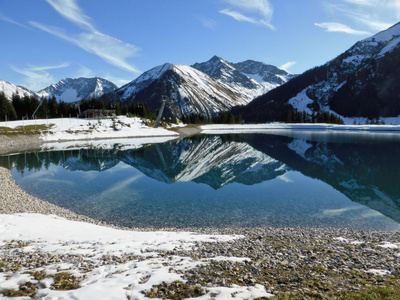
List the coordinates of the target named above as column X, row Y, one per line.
column 249, row 77
column 354, row 166
column 208, row 160
column 361, row 82
column 9, row 89
column 189, row 91
column 72, row 90
column 204, row 88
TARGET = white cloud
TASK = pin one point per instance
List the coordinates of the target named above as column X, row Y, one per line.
column 110, row 49
column 337, row 27
column 72, row 12
column 261, row 11
column 9, row 20
column 375, row 15
column 287, row 65
column 37, row 77
column 364, row 2
column 238, row 16
column 117, row 80
column 85, row 72
column 208, row 23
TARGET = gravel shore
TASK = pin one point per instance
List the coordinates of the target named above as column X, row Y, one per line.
column 17, row 143
column 292, row 263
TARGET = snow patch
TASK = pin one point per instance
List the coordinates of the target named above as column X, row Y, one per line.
column 300, row 147
column 300, row 102
column 55, row 235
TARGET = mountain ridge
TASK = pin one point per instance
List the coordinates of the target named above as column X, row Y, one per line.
column 76, row 89
column 206, row 89
column 361, row 82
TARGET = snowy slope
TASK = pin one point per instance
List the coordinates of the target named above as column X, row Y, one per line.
column 210, row 161
column 360, row 83
column 9, row 89
column 251, row 78
column 353, row 62
column 71, row 90
column 189, row 90
column 204, row 88
column 143, row 81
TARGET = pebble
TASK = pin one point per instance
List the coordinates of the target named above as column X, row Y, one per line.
column 310, row 262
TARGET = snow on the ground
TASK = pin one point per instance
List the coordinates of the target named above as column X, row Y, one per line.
column 378, row 272
column 59, row 236
column 121, row 144
column 84, row 129
column 244, row 128
column 301, row 102
column 390, row 245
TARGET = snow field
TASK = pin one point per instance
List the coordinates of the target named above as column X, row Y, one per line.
column 58, row 236
column 73, row 129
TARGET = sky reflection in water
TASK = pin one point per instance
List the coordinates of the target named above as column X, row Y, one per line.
column 304, row 179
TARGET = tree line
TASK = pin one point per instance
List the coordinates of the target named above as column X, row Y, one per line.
column 28, row 107
column 222, row 118
column 294, row 116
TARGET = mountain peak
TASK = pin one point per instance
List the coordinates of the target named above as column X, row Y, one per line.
column 9, row 89
column 387, row 35
column 76, row 89
column 144, row 80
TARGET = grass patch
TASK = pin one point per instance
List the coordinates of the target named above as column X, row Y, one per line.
column 26, row 289
column 175, row 290
column 27, row 130
column 65, row 281
column 374, row 293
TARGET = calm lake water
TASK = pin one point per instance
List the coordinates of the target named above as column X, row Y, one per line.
column 279, row 178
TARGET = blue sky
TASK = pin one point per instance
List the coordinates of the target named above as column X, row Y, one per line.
column 43, row 41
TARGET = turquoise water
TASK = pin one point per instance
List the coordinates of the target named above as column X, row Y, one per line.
column 307, row 179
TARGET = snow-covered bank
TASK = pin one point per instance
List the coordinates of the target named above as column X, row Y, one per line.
column 73, row 129
column 248, row 128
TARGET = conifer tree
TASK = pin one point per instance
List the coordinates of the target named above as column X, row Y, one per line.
column 6, row 108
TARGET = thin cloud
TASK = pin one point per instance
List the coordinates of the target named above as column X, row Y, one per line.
column 9, row 20
column 238, row 16
column 376, row 15
column 208, row 23
column 260, row 11
column 110, row 49
column 364, row 2
column 72, row 12
column 288, row 65
column 37, row 77
column 337, row 27
column 85, row 72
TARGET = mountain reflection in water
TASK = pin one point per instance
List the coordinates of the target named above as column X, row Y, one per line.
column 290, row 179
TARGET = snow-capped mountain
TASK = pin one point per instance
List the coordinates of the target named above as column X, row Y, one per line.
column 204, row 88
column 357, row 168
column 249, row 77
column 209, row 160
column 361, row 82
column 9, row 89
column 189, row 91
column 72, row 90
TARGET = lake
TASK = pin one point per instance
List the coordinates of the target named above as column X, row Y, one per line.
column 274, row 178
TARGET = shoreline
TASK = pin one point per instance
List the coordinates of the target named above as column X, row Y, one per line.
column 302, row 262
column 327, row 263
column 19, row 142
